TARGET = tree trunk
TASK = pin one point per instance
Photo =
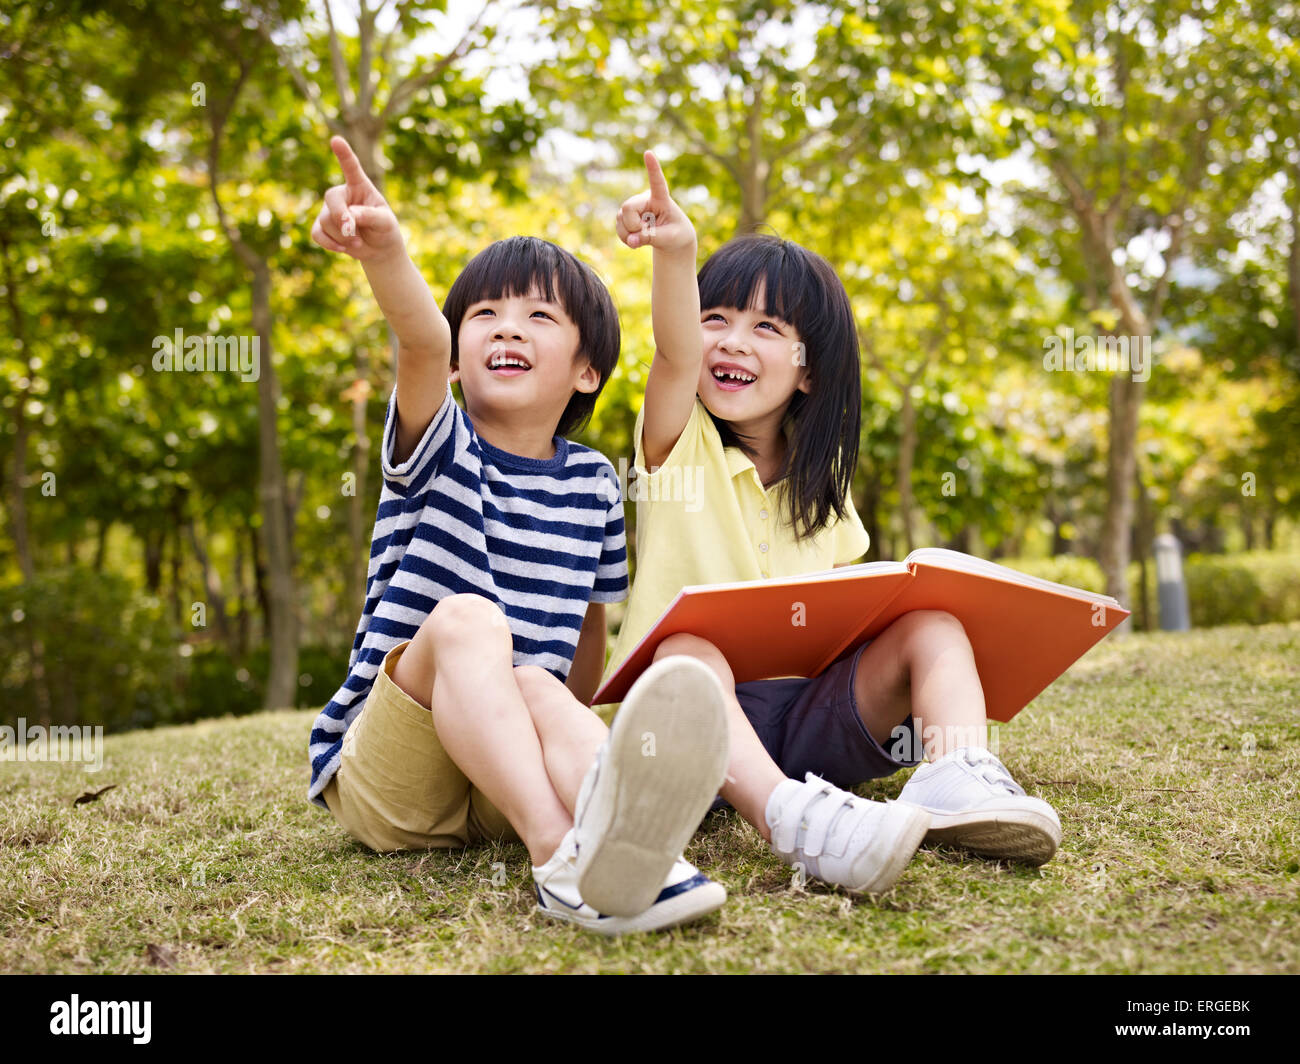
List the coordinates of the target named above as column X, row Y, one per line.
column 276, row 529
column 18, row 481
column 1121, row 463
column 276, row 533
column 153, row 559
column 869, row 511
column 906, row 458
column 242, row 594
column 354, row 588
column 1146, row 538
column 216, row 599
column 101, row 541
column 178, row 608
column 1293, row 259
column 754, row 168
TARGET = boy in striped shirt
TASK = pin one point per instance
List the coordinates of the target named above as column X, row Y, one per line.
column 496, row 546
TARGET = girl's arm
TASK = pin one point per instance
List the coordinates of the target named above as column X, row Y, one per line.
column 356, row 220
column 653, row 218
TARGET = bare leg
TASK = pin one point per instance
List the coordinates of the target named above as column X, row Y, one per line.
column 570, row 733
column 460, row 663
column 752, row 775
column 922, row 664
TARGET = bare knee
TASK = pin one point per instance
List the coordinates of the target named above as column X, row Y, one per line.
column 695, row 647
column 932, row 630
column 536, row 685
column 546, row 697
column 459, row 619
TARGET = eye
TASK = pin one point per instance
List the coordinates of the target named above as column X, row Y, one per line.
column 482, row 310
column 775, row 328
column 544, row 314
column 714, row 314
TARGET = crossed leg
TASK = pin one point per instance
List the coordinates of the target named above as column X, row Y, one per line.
column 518, row 734
column 920, row 665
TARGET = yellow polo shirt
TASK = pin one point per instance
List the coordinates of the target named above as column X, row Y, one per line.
column 704, row 517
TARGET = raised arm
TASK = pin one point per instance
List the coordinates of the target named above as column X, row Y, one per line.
column 357, row 221
column 653, row 219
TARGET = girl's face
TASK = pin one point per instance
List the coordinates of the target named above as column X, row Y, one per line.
column 753, row 364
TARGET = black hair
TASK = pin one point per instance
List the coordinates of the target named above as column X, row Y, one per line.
column 513, row 267
column 800, row 287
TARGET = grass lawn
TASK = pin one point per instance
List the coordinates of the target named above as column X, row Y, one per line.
column 1172, row 760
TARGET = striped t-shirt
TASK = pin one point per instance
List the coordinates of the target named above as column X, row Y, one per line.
column 541, row 538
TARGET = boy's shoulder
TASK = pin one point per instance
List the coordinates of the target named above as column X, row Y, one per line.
column 583, row 461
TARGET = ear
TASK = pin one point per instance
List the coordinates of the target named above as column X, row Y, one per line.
column 805, row 381
column 588, row 380
column 454, row 375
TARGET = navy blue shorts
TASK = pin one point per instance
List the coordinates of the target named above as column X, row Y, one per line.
column 814, row 726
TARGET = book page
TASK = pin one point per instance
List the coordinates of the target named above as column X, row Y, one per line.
column 941, row 558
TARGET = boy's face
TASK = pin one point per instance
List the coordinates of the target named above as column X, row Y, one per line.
column 518, row 357
column 753, row 362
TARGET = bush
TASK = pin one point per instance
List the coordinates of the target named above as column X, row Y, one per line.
column 112, row 658
column 1253, row 587
column 108, row 653
column 1083, row 573
column 221, row 684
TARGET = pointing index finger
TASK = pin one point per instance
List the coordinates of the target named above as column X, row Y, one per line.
column 352, row 172
column 658, row 183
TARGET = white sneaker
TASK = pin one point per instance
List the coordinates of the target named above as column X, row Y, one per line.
column 651, row 784
column 975, row 804
column 840, row 838
column 685, row 895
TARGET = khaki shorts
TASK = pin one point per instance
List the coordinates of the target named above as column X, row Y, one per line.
column 396, row 788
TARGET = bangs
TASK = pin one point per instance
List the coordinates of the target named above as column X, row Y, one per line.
column 517, row 266
column 734, row 274
column 520, row 265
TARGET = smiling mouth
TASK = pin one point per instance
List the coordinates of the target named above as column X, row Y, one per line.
column 508, row 363
column 732, row 378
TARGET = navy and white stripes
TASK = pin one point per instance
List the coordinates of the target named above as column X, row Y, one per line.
column 542, row 538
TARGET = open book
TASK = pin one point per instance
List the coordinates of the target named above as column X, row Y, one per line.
column 1024, row 631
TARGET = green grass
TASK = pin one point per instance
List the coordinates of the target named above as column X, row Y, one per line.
column 1180, row 853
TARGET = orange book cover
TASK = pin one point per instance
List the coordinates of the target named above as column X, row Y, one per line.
column 1024, row 631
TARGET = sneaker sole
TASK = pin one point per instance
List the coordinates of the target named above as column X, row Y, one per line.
column 679, row 910
column 900, row 837
column 645, row 808
column 1009, row 834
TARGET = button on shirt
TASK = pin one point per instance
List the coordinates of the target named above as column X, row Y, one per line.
column 704, row 517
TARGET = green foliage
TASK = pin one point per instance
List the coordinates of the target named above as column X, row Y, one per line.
column 86, row 648
column 1251, row 587
column 221, row 684
column 109, row 656
column 1068, row 569
column 1254, row 587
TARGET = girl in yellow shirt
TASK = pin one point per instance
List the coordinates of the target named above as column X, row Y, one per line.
column 746, row 445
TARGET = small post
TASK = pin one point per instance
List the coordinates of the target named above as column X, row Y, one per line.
column 1172, row 590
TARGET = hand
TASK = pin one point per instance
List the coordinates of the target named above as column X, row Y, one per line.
column 356, row 220
column 652, row 218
